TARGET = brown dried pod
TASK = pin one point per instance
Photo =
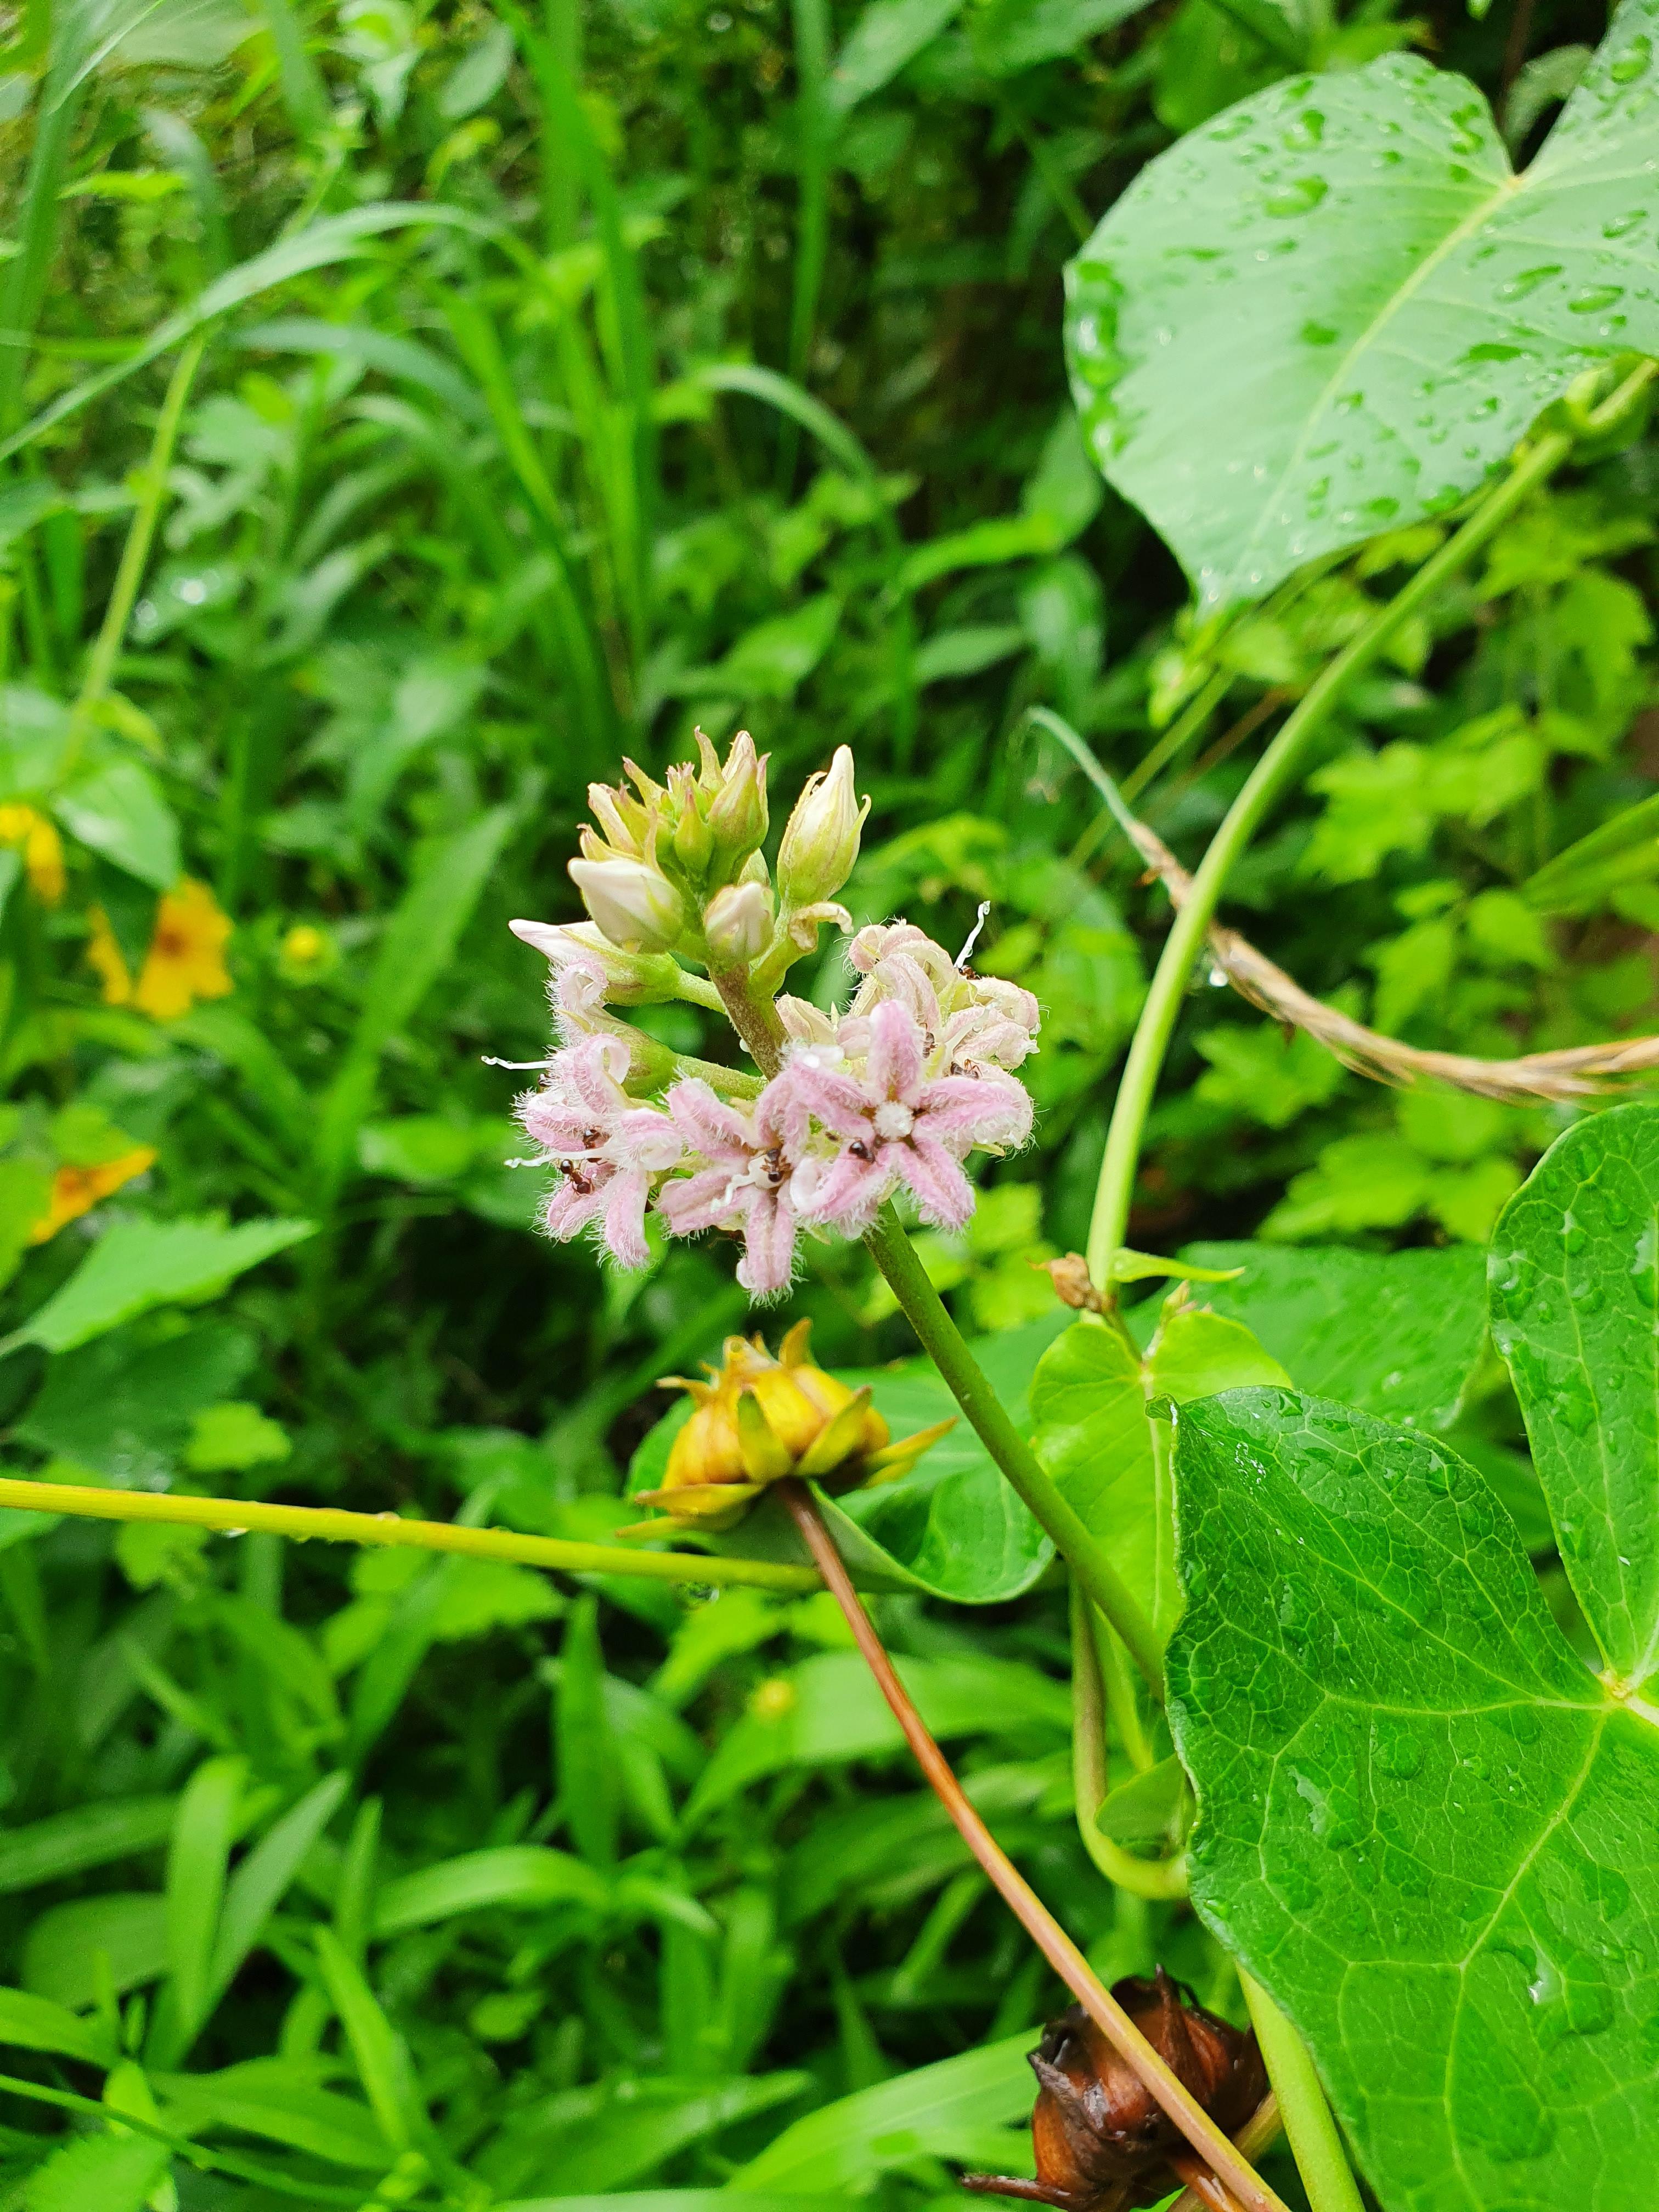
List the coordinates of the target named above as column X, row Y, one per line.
column 1103, row 2141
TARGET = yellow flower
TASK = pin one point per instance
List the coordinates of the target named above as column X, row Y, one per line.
column 186, row 961
column 76, row 1191
column 43, row 849
column 758, row 1418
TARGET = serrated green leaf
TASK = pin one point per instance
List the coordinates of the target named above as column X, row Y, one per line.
column 140, row 1264
column 1574, row 1306
column 1396, row 1334
column 1363, row 385
column 1425, row 1828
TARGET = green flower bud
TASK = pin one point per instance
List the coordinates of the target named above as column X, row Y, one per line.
column 821, row 837
column 737, row 813
column 737, row 924
column 635, row 906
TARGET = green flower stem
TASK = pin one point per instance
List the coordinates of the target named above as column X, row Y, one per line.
column 1090, row 1782
column 943, row 1342
column 134, row 554
column 1269, row 779
column 236, row 1515
column 1314, row 2143
column 754, row 1016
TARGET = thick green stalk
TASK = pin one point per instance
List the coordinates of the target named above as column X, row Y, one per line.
column 134, row 554
column 944, row 1344
column 1316, row 2144
column 235, row 1515
column 1090, row 1782
column 1271, row 777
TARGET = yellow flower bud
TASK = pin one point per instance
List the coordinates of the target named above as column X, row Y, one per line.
column 758, row 1418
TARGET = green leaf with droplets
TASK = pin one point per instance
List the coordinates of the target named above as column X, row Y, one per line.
column 1574, row 1311
column 1345, row 272
column 1423, row 1828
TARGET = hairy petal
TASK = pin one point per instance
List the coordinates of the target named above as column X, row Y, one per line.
column 567, row 1211
column 623, row 1222
column 845, row 1192
column 894, row 1067
column 934, row 1176
column 692, row 1203
column 768, row 1260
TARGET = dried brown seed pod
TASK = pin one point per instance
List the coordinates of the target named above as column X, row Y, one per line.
column 1103, row 2141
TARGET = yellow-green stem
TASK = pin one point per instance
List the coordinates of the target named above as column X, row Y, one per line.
column 1316, row 2144
column 302, row 1523
column 1154, row 1878
column 944, row 1344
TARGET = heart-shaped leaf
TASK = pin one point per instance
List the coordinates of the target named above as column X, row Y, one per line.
column 1094, row 1429
column 1344, row 277
column 1429, row 1832
column 1393, row 1332
column 1575, row 1302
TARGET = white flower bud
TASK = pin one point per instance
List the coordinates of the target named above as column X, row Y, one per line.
column 738, row 924
column 631, row 979
column 637, row 908
column 821, row 837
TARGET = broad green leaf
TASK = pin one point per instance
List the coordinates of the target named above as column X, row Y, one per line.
column 828, row 1711
column 887, row 34
column 61, row 1950
column 1346, row 271
column 952, row 1527
column 1092, row 1396
column 273, row 2098
column 378, row 2052
column 262, row 1879
column 114, row 2173
column 526, row 1875
column 90, row 1836
column 124, row 1409
column 197, row 1863
column 633, row 2136
column 1397, row 1334
column 936, row 2111
column 140, row 1264
column 1016, row 34
column 118, row 810
column 1575, row 1306
column 1425, row 1828
column 1142, row 1810
column 35, row 2023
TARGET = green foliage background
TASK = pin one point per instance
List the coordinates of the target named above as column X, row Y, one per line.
column 659, row 365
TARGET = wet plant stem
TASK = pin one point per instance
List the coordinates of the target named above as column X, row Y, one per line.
column 757, row 1021
column 944, row 1345
column 1314, row 2143
column 1212, row 2147
column 1090, row 1782
column 1268, row 782
column 234, row 1515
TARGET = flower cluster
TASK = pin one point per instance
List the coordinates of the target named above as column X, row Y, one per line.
column 893, row 1091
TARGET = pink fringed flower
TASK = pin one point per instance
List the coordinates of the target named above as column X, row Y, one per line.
column 606, row 1147
column 748, row 1157
column 896, row 1126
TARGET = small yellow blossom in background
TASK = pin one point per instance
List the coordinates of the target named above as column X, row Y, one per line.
column 76, row 1191
column 43, row 849
column 186, row 961
column 307, row 954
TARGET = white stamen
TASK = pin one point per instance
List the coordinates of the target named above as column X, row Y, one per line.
column 962, row 957
column 893, row 1121
column 488, row 1059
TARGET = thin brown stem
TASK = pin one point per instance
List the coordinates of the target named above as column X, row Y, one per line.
column 1212, row 2147
column 1258, row 2133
